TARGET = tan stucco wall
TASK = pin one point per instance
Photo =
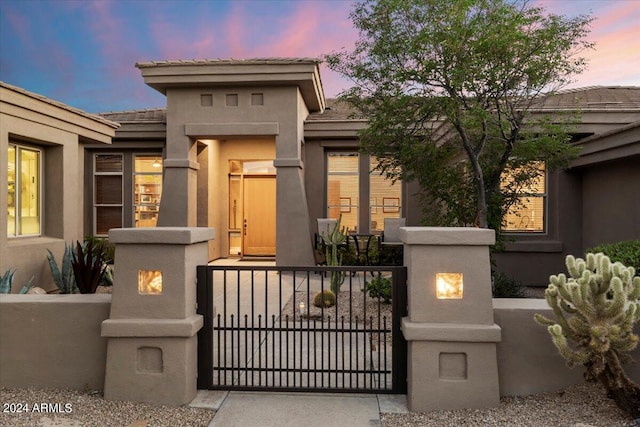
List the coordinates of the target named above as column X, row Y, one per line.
column 614, row 184
column 528, row 362
column 53, row 341
column 58, row 132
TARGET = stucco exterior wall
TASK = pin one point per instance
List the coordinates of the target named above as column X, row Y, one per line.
column 528, row 362
column 59, row 132
column 53, row 341
column 613, row 184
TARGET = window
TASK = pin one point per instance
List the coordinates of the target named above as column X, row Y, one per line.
column 107, row 192
column 24, row 198
column 147, row 189
column 384, row 196
column 343, row 188
column 527, row 215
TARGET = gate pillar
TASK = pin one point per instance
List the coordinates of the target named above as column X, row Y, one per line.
column 152, row 327
column 451, row 335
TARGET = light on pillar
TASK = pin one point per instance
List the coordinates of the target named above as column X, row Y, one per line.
column 149, row 282
column 449, row 285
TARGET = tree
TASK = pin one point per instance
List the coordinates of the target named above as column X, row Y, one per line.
column 448, row 90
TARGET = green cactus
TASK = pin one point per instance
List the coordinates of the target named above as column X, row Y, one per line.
column 324, row 299
column 333, row 238
column 596, row 309
column 6, row 283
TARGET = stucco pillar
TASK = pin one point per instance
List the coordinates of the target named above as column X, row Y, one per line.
column 293, row 245
column 152, row 327
column 179, row 206
column 452, row 361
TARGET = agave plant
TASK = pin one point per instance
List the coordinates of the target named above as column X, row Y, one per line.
column 6, row 283
column 64, row 279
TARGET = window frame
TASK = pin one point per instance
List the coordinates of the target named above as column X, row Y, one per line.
column 545, row 209
column 346, row 208
column 134, row 205
column 19, row 146
column 95, row 193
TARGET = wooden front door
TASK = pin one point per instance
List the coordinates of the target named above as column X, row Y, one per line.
column 259, row 222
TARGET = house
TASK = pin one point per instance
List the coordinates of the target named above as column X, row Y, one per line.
column 42, row 156
column 253, row 149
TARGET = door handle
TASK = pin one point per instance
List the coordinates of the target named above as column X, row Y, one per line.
column 245, row 227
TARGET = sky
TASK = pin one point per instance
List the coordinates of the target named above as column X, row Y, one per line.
column 83, row 52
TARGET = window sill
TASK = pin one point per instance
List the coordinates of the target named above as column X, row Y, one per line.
column 31, row 240
column 534, row 246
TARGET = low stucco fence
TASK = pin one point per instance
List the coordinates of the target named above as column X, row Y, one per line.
column 53, row 341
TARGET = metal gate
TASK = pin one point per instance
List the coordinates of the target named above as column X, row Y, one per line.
column 262, row 330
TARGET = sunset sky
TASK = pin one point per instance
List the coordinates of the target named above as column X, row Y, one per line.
column 83, row 52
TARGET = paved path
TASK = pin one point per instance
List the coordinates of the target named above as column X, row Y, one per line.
column 239, row 409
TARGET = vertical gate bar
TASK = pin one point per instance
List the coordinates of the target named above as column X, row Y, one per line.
column 246, row 346
column 253, row 338
column 237, row 331
column 379, row 349
column 357, row 354
column 266, row 328
column 344, row 367
column 231, row 352
column 273, row 350
column 386, row 379
column 204, row 302
column 308, row 306
column 399, row 344
column 259, row 349
column 224, row 323
column 293, row 343
column 287, row 348
column 280, row 324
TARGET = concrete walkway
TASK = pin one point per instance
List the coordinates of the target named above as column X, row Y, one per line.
column 239, row 409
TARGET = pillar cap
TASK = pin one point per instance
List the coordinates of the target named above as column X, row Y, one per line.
column 449, row 236
column 161, row 235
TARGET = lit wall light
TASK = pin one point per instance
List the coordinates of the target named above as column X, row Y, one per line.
column 449, row 285
column 156, row 163
column 149, row 282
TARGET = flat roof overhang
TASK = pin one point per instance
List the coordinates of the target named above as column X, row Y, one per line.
column 303, row 73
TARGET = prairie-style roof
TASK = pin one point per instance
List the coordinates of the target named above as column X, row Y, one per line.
column 95, row 117
column 230, row 61
column 152, row 115
column 593, row 98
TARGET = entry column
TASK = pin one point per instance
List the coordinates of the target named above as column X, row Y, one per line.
column 152, row 327
column 452, row 360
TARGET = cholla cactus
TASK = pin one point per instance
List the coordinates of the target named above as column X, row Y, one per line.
column 596, row 309
column 333, row 238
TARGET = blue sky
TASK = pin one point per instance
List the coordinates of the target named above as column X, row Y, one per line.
column 83, row 52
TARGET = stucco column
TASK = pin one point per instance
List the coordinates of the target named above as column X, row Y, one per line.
column 152, row 327
column 293, row 245
column 452, row 361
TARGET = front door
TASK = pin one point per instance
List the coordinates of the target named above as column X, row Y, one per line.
column 259, row 222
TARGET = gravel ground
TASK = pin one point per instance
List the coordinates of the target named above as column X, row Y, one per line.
column 579, row 406
column 90, row 409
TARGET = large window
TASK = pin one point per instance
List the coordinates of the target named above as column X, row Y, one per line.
column 343, row 188
column 107, row 192
column 527, row 215
column 147, row 189
column 24, row 200
column 385, row 197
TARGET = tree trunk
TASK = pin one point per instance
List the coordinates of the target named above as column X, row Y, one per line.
column 626, row 397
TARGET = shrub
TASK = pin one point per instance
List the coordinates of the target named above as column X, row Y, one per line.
column 627, row 253
column 324, row 299
column 504, row 286
column 82, row 270
column 596, row 309
column 108, row 249
column 380, row 287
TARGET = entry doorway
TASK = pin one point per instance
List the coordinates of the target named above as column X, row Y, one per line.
column 252, row 208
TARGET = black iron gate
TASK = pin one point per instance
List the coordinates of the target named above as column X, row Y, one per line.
column 262, row 330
